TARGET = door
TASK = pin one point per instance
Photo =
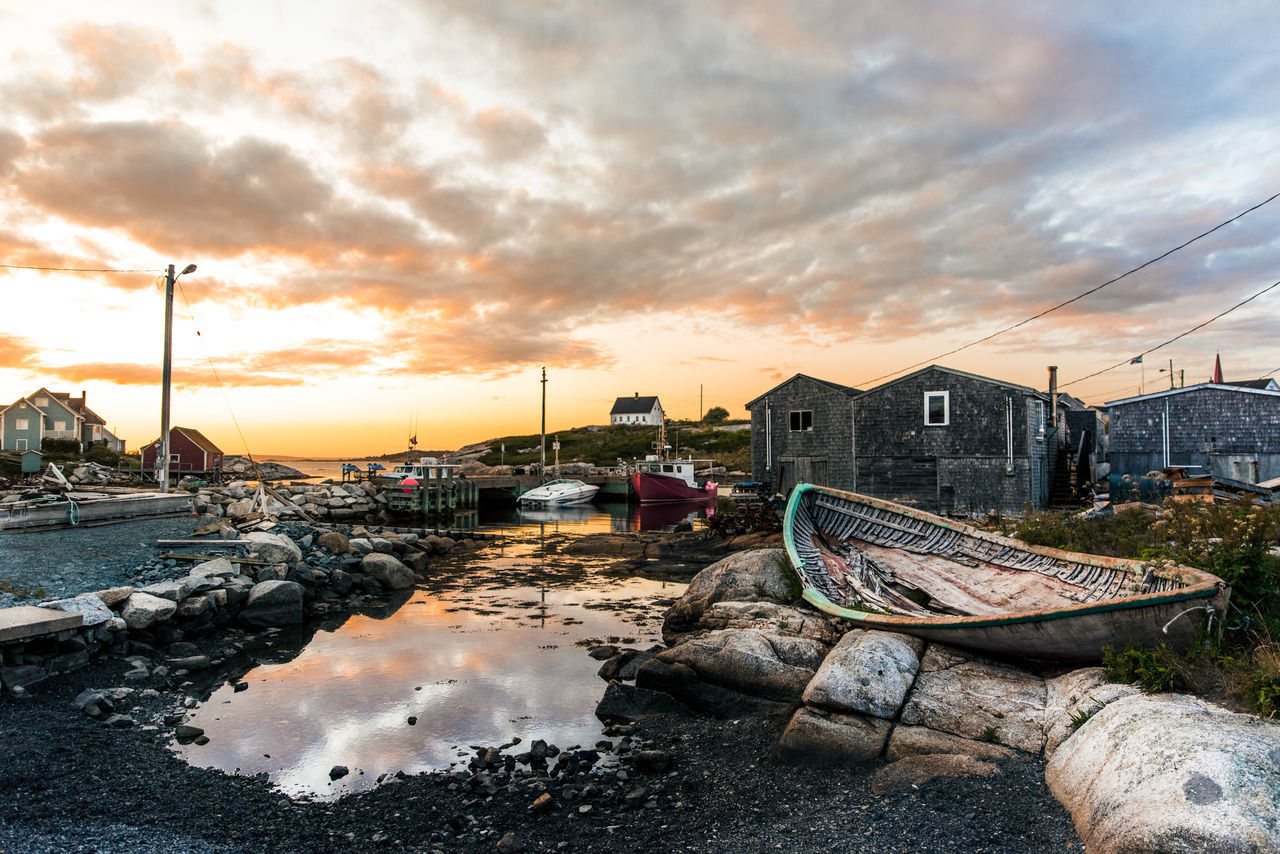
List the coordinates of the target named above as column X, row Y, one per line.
column 793, row 470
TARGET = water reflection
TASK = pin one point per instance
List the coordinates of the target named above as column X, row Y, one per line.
column 487, row 650
column 666, row 516
column 603, row 517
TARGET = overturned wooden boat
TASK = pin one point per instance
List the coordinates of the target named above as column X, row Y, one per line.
column 891, row 567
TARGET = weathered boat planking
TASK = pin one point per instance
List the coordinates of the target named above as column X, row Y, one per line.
column 887, row 566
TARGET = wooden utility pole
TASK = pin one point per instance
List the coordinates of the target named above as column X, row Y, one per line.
column 166, row 374
column 543, row 444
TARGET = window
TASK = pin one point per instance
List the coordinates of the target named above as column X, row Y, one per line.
column 1038, row 417
column 60, row 425
column 174, row 458
column 21, row 424
column 42, row 401
column 937, row 408
column 801, row 420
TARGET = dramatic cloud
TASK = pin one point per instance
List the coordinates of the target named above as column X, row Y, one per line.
column 489, row 177
column 15, row 352
column 130, row 374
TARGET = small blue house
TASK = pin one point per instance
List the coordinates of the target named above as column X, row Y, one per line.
column 21, row 426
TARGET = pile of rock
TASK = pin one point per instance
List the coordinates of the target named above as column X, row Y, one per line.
column 276, row 581
column 1136, row 772
column 92, row 474
column 337, row 502
column 244, row 467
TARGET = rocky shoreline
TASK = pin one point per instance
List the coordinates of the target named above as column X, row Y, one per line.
column 760, row 724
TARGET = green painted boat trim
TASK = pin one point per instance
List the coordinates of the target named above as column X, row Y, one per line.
column 821, row 602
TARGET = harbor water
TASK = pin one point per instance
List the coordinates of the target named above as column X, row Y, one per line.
column 491, row 648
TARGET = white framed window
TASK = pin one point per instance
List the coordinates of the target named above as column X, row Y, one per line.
column 21, row 424
column 174, row 458
column 60, row 425
column 42, row 401
column 801, row 420
column 937, row 408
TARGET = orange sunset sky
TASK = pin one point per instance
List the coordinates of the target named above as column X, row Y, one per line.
column 402, row 210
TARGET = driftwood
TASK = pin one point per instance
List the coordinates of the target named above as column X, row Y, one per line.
column 195, row 558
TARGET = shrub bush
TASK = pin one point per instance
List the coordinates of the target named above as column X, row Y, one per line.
column 102, row 455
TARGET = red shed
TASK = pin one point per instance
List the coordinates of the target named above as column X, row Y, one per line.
column 190, row 452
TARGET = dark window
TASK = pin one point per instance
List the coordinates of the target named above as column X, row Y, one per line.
column 801, row 420
column 668, row 468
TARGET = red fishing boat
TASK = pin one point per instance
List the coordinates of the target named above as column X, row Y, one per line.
column 657, row 480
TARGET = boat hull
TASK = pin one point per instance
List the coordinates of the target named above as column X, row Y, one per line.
column 1026, row 601
column 557, row 495
column 654, row 488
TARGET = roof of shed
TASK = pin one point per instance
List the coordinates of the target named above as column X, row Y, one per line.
column 848, row 391
column 1238, row 388
column 198, row 438
column 1022, row 388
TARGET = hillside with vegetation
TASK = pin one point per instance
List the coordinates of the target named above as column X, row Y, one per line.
column 728, row 445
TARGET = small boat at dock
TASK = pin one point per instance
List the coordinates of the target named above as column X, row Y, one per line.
column 887, row 566
column 559, row 493
column 657, row 480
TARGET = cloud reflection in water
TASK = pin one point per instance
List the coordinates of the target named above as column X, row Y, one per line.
column 484, row 656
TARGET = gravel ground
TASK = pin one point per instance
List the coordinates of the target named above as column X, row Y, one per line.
column 70, row 784
column 74, row 560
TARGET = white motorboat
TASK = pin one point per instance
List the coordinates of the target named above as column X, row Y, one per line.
column 425, row 469
column 558, row 493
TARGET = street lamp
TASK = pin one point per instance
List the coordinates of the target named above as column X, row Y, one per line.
column 167, row 372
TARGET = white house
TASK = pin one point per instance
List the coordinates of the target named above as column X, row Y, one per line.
column 636, row 410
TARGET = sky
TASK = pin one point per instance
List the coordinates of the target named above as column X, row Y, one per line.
column 402, row 211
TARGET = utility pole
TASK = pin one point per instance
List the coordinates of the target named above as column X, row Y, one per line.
column 166, row 374
column 543, row 444
column 1171, row 375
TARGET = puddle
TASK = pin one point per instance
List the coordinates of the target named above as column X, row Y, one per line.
column 492, row 647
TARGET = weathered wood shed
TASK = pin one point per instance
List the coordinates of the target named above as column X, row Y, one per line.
column 801, row 431
column 190, row 452
column 939, row 439
column 947, row 441
column 1226, row 429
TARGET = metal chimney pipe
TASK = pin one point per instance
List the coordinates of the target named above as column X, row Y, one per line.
column 1053, row 396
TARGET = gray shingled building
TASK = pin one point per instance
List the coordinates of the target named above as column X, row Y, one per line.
column 939, row 439
column 1230, row 430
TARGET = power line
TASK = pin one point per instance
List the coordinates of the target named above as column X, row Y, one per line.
column 76, row 269
column 1174, row 338
column 1081, row 296
column 221, row 386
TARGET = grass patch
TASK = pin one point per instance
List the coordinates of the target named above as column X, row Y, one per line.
column 604, row 446
column 1234, row 541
